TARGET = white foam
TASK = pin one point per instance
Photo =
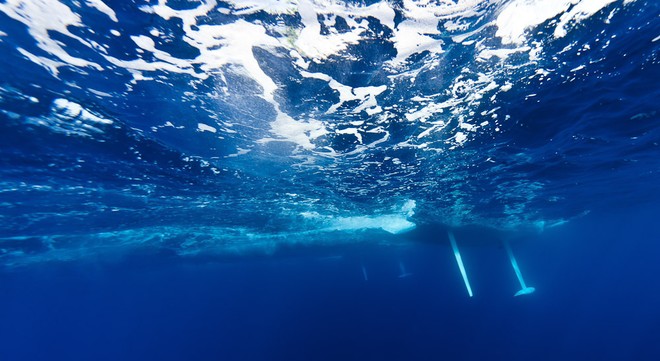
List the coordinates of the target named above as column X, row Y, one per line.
column 246, row 7
column 42, row 17
column 578, row 68
column 146, row 43
column 500, row 53
column 313, row 44
column 520, row 15
column 412, row 37
column 309, row 40
column 75, row 110
column 138, row 65
column 71, row 118
column 187, row 16
column 460, row 137
column 230, row 47
column 296, row 131
column 99, row 93
column 365, row 95
column 582, row 10
column 223, row 45
column 425, row 113
column 408, row 208
column 102, row 7
column 67, row 108
column 201, row 127
column 233, row 44
column 415, row 34
column 239, row 152
column 394, row 224
column 353, row 131
column 51, row 65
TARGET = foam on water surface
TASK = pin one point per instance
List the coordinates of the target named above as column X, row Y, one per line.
column 266, row 111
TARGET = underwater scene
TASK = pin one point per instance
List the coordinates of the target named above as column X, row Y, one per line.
column 330, row 180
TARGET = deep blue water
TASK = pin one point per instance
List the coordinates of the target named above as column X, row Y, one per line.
column 249, row 180
column 597, row 298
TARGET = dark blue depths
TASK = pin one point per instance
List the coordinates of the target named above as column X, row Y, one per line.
column 597, row 298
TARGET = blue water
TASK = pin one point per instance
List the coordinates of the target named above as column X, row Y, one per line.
column 597, row 298
column 253, row 180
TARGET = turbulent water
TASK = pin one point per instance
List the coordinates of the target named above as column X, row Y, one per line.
column 231, row 128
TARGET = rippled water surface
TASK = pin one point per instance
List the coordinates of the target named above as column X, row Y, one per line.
column 289, row 144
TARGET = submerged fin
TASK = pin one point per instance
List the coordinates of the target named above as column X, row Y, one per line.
column 403, row 273
column 459, row 260
column 524, row 290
